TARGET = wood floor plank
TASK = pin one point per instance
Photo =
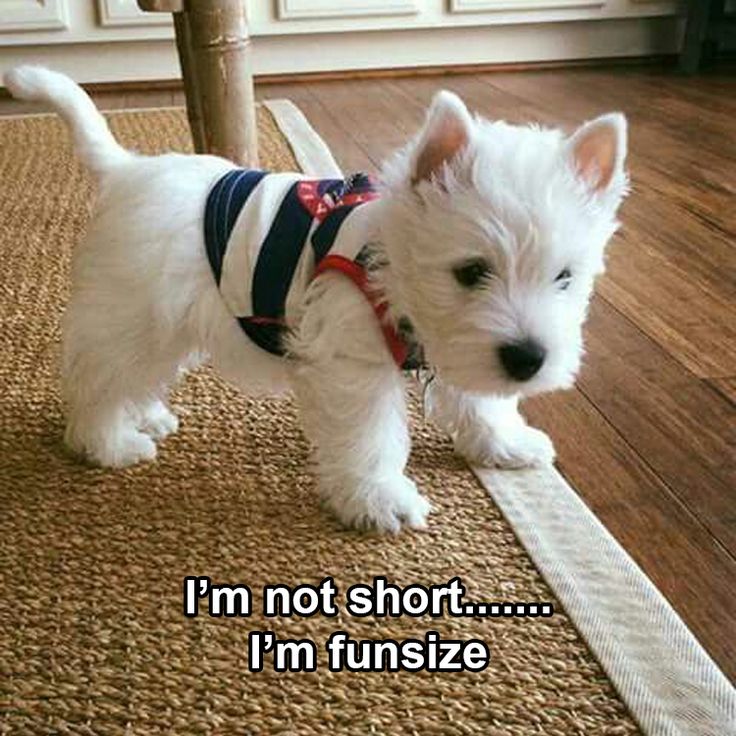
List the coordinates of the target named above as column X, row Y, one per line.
column 683, row 560
column 492, row 101
column 291, row 91
column 364, row 111
column 712, row 90
column 679, row 425
column 148, row 98
column 661, row 297
column 727, row 388
column 112, row 100
column 16, row 107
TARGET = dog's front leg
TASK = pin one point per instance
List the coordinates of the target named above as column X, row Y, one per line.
column 355, row 415
column 488, row 431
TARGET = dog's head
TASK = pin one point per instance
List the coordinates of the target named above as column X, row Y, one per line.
column 495, row 234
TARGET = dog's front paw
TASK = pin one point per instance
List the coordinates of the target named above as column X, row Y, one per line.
column 380, row 505
column 520, row 446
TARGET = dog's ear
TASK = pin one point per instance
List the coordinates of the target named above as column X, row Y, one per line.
column 447, row 131
column 598, row 151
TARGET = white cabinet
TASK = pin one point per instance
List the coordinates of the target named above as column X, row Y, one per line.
column 344, row 16
column 32, row 15
column 478, row 6
column 127, row 13
column 111, row 40
column 293, row 9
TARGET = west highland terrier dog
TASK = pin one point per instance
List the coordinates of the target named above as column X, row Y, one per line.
column 476, row 255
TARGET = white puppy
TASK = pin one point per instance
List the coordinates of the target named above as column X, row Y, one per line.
column 482, row 246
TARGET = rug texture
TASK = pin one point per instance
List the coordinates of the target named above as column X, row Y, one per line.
column 92, row 635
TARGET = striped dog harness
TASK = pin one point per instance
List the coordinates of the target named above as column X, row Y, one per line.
column 269, row 234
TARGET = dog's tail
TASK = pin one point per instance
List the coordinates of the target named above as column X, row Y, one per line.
column 92, row 138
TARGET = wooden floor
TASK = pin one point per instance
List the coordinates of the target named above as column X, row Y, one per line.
column 648, row 438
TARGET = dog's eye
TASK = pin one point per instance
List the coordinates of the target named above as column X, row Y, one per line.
column 563, row 279
column 471, row 273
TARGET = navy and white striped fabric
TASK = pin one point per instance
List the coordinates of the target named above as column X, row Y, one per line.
column 257, row 225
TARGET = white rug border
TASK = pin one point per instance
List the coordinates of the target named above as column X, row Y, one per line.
column 668, row 681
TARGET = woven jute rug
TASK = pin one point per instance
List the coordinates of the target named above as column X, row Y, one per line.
column 93, row 639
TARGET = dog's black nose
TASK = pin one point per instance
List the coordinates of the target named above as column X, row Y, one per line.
column 522, row 359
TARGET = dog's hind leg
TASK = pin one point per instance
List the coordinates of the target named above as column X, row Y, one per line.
column 115, row 376
column 155, row 418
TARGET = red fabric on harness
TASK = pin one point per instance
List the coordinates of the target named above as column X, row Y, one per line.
column 265, row 320
column 357, row 274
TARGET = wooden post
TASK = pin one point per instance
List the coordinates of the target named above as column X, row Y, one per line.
column 220, row 56
column 191, row 84
column 214, row 53
column 161, row 6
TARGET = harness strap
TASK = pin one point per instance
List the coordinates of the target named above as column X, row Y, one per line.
column 358, row 275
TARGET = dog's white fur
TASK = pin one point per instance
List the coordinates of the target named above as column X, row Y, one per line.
column 144, row 306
